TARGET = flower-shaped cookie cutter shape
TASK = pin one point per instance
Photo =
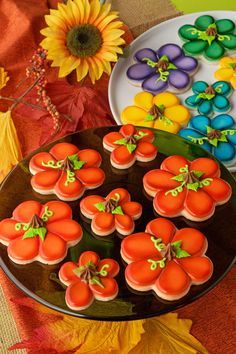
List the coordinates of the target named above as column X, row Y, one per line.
column 166, row 260
column 208, row 37
column 66, row 171
column 162, row 111
column 217, row 135
column 210, row 98
column 130, row 144
column 115, row 212
column 227, row 70
column 165, row 69
column 89, row 279
column 39, row 232
column 188, row 188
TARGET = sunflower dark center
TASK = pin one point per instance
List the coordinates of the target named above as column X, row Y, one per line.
column 84, row 40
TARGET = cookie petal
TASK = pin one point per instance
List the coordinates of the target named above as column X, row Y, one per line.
column 62, row 150
column 87, row 205
column 124, row 224
column 222, row 121
column 23, row 251
column 139, row 72
column 219, row 190
column 171, row 50
column 79, row 296
column 173, row 282
column 140, row 276
column 156, row 180
column 204, row 21
column 145, row 151
column 200, row 123
column 206, row 165
column 137, row 247
column 161, row 228
column 199, row 205
column 144, row 100
column 69, row 230
column 44, row 182
column 112, row 269
column 91, row 157
column 53, row 249
column 193, row 241
column 91, row 177
column 154, row 84
column 188, row 32
column 214, row 51
column 8, row 231
column 132, row 209
column 221, row 103
column 224, row 151
column 24, row 211
column 199, row 269
column 195, row 47
column 59, row 209
column 66, row 273
column 37, row 162
column 145, row 53
column 186, row 63
column 167, row 99
column 174, row 163
column 88, row 256
column 179, row 79
column 225, row 26
column 229, row 42
column 205, row 107
column 168, row 205
column 103, row 224
column 122, row 158
column 178, row 113
column 109, row 140
column 123, row 195
column 107, row 292
column 70, row 191
column 135, row 115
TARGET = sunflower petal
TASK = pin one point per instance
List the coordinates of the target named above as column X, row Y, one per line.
column 82, row 70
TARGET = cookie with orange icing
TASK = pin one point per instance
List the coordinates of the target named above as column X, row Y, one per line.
column 189, row 188
column 66, row 171
column 130, row 144
column 37, row 232
column 88, row 279
column 227, row 70
column 162, row 111
column 166, row 260
column 114, row 212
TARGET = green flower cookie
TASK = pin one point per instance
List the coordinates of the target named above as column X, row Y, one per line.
column 208, row 37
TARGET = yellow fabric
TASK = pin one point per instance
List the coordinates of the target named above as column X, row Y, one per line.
column 3, row 78
column 9, row 144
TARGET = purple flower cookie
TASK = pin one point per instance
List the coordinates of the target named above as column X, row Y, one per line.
column 167, row 68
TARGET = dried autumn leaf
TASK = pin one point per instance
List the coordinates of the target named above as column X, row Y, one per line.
column 3, row 78
column 168, row 334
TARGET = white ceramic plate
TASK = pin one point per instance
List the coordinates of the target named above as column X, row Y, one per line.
column 121, row 92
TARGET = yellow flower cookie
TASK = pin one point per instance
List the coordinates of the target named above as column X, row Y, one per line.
column 227, row 70
column 162, row 111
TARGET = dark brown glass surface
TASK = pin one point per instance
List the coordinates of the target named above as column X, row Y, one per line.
column 33, row 278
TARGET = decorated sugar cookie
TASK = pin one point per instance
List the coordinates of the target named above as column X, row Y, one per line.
column 166, row 260
column 208, row 37
column 89, row 279
column 227, row 70
column 189, row 188
column 66, row 171
column 115, row 212
column 39, row 232
column 165, row 69
column 162, row 111
column 128, row 145
column 217, row 135
column 210, row 98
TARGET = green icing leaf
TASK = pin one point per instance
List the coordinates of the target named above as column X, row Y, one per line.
column 118, row 210
column 178, row 178
column 149, row 118
column 131, row 147
column 213, row 142
column 77, row 164
column 193, row 186
column 223, row 138
column 164, row 57
column 171, row 66
column 120, row 141
column 33, row 232
column 205, row 96
column 100, row 206
column 198, row 174
column 140, row 135
column 177, row 244
column 179, row 253
column 96, row 281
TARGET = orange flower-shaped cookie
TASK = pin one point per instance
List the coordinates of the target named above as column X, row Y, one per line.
column 89, row 279
column 227, row 70
column 128, row 145
column 165, row 259
column 115, row 212
column 191, row 189
column 66, row 171
column 39, row 232
column 162, row 111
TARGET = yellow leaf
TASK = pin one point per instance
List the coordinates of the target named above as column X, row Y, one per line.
column 9, row 144
column 3, row 78
column 168, row 335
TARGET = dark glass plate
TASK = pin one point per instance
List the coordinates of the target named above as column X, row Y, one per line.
column 33, row 278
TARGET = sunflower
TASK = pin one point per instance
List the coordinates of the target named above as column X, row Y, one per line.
column 83, row 35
